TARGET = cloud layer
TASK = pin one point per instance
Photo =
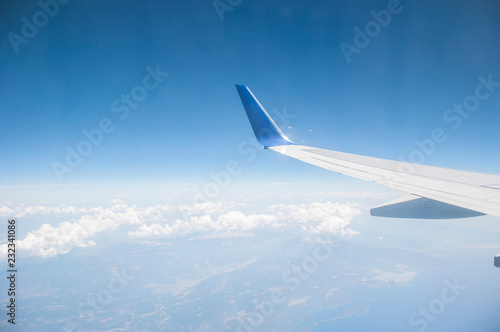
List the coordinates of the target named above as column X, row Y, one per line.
column 209, row 218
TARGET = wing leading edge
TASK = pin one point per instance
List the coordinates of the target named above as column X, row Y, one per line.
column 436, row 193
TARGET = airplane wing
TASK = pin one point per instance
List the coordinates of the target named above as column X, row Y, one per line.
column 435, row 192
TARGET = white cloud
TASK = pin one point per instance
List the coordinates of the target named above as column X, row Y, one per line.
column 230, row 221
column 6, row 212
column 51, row 240
column 399, row 275
column 213, row 218
column 333, row 218
column 294, row 302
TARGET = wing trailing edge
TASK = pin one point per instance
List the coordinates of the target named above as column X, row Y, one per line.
column 417, row 207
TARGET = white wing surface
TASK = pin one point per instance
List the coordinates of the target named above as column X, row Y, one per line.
column 436, row 193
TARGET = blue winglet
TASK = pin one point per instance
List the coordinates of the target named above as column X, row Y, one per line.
column 264, row 128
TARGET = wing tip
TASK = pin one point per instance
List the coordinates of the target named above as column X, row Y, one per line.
column 265, row 129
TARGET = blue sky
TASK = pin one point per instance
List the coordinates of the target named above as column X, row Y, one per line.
column 394, row 91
